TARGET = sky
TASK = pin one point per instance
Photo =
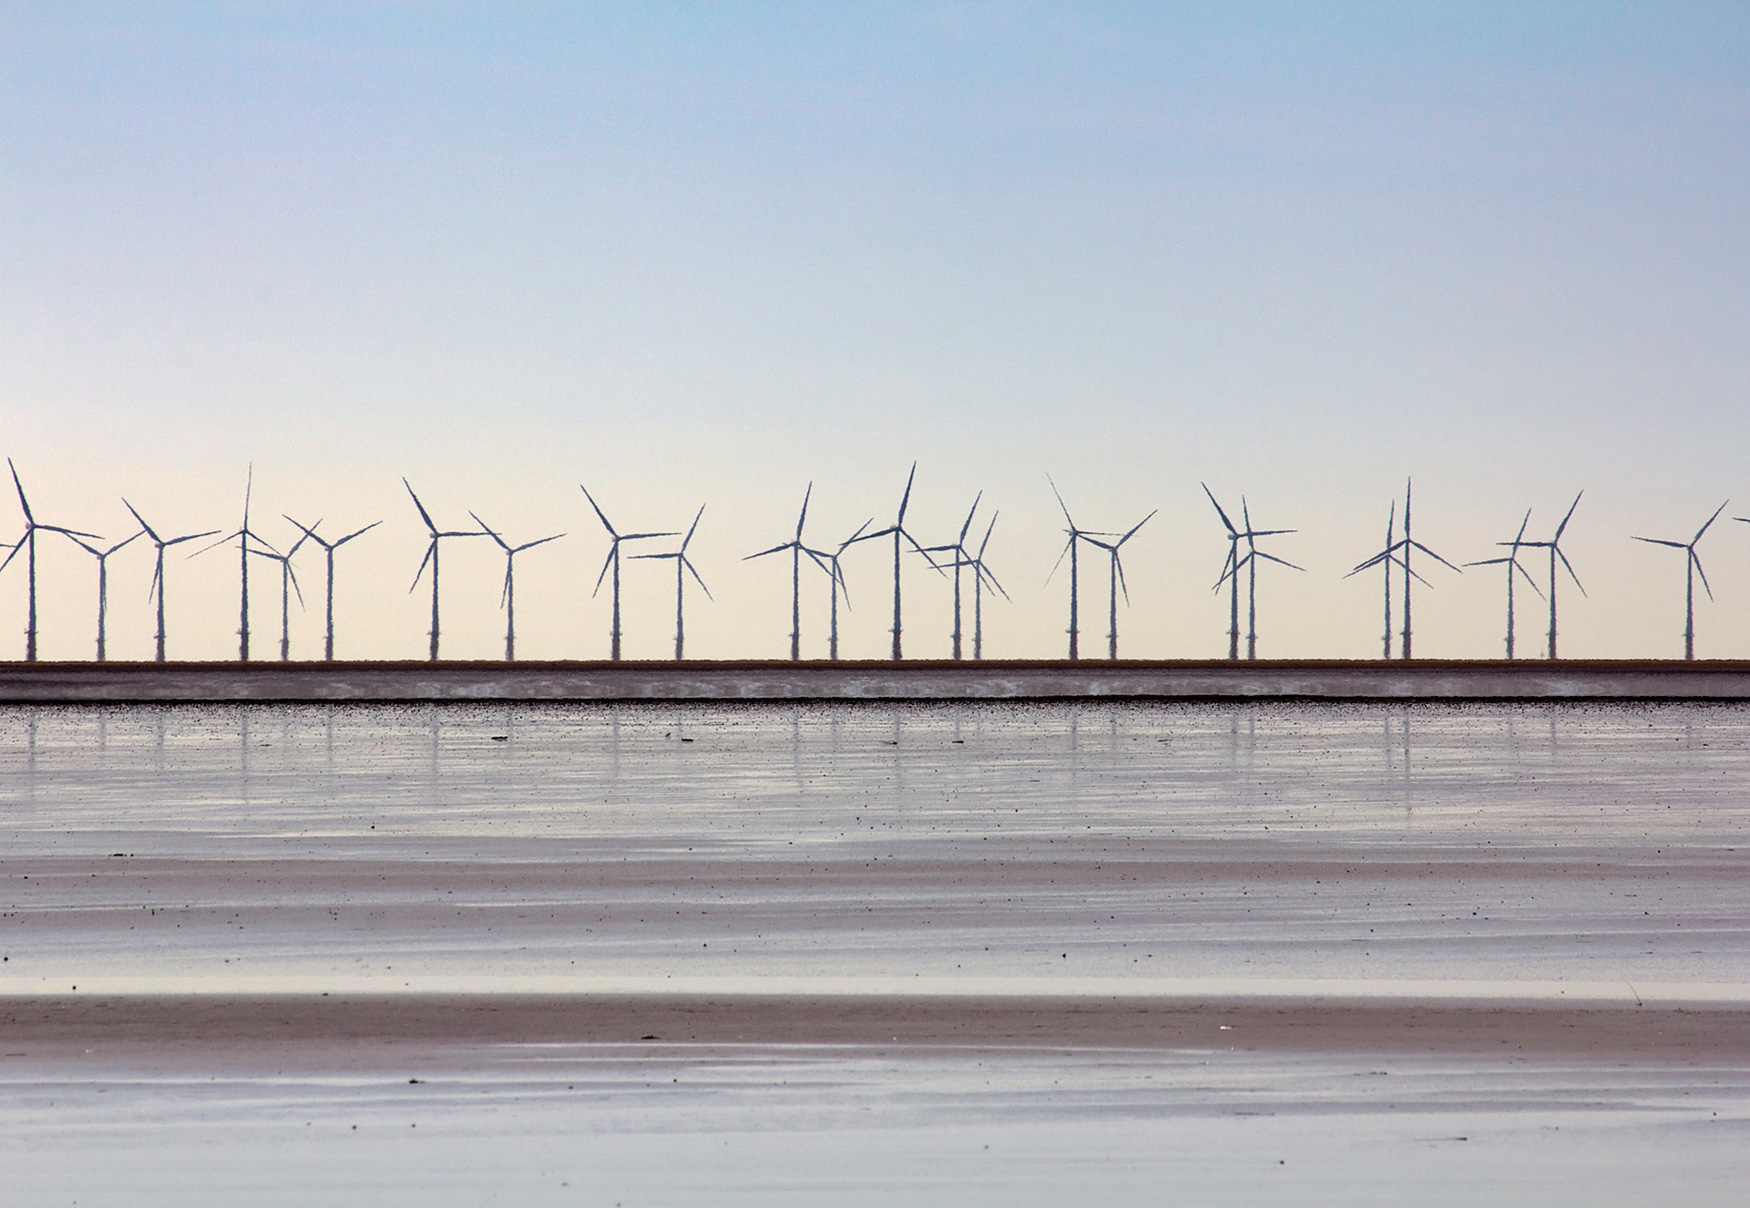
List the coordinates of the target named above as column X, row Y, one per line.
column 707, row 255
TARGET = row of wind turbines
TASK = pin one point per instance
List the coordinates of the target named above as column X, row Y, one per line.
column 954, row 559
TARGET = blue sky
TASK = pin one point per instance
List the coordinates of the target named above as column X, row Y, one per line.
column 693, row 254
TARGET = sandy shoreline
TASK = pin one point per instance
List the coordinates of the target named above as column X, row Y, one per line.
column 44, row 1026
column 920, row 680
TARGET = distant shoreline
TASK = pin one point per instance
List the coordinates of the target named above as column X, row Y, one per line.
column 910, row 680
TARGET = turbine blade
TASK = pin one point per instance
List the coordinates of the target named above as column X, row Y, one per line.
column 856, row 536
column 1564, row 524
column 694, row 525
column 987, row 533
column 991, row 579
column 691, row 569
column 1138, row 525
column 803, row 518
column 487, row 529
column 1224, row 520
column 920, row 549
column 1258, row 553
column 1696, row 558
column 905, row 499
column 1704, row 528
column 22, row 501
column 1520, row 539
column 598, row 511
column 1434, row 555
column 361, row 532
column 776, row 549
column 971, row 512
column 605, row 567
column 430, row 550
column 1571, row 574
column 1660, row 541
column 1118, row 564
column 143, row 524
column 1530, row 579
column 1061, row 503
column 532, row 544
column 191, row 537
column 1061, row 555
column 423, row 514
column 214, row 545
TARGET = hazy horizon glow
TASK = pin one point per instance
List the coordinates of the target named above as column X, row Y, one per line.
column 692, row 256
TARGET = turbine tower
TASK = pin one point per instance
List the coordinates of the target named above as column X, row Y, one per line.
column 1076, row 536
column 1118, row 584
column 31, row 527
column 797, row 549
column 288, row 580
column 1511, row 562
column 961, row 559
column 982, row 574
column 102, row 556
column 613, row 563
column 431, row 557
column 1692, row 563
column 838, row 583
column 682, row 565
column 898, row 532
column 243, row 536
column 158, row 571
column 328, row 547
column 507, row 598
column 1554, row 546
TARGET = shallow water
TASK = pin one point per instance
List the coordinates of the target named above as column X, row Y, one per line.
column 462, row 847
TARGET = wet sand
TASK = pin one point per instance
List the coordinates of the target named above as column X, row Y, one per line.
column 1025, row 953
column 254, row 1028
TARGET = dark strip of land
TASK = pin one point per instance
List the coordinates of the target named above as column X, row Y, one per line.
column 48, row 1026
column 1422, row 679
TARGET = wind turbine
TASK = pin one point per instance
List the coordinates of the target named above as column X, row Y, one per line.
column 1112, row 548
column 1399, row 552
column 29, row 539
column 1248, row 562
column 431, row 556
column 102, row 556
column 1554, row 546
column 507, row 599
column 797, row 549
column 158, row 570
column 329, row 547
column 981, row 573
column 838, row 583
column 961, row 559
column 898, row 532
column 1076, row 536
column 243, row 536
column 1511, row 562
column 1388, row 558
column 1230, row 574
column 1692, row 563
column 288, row 579
column 613, row 563
column 682, row 564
